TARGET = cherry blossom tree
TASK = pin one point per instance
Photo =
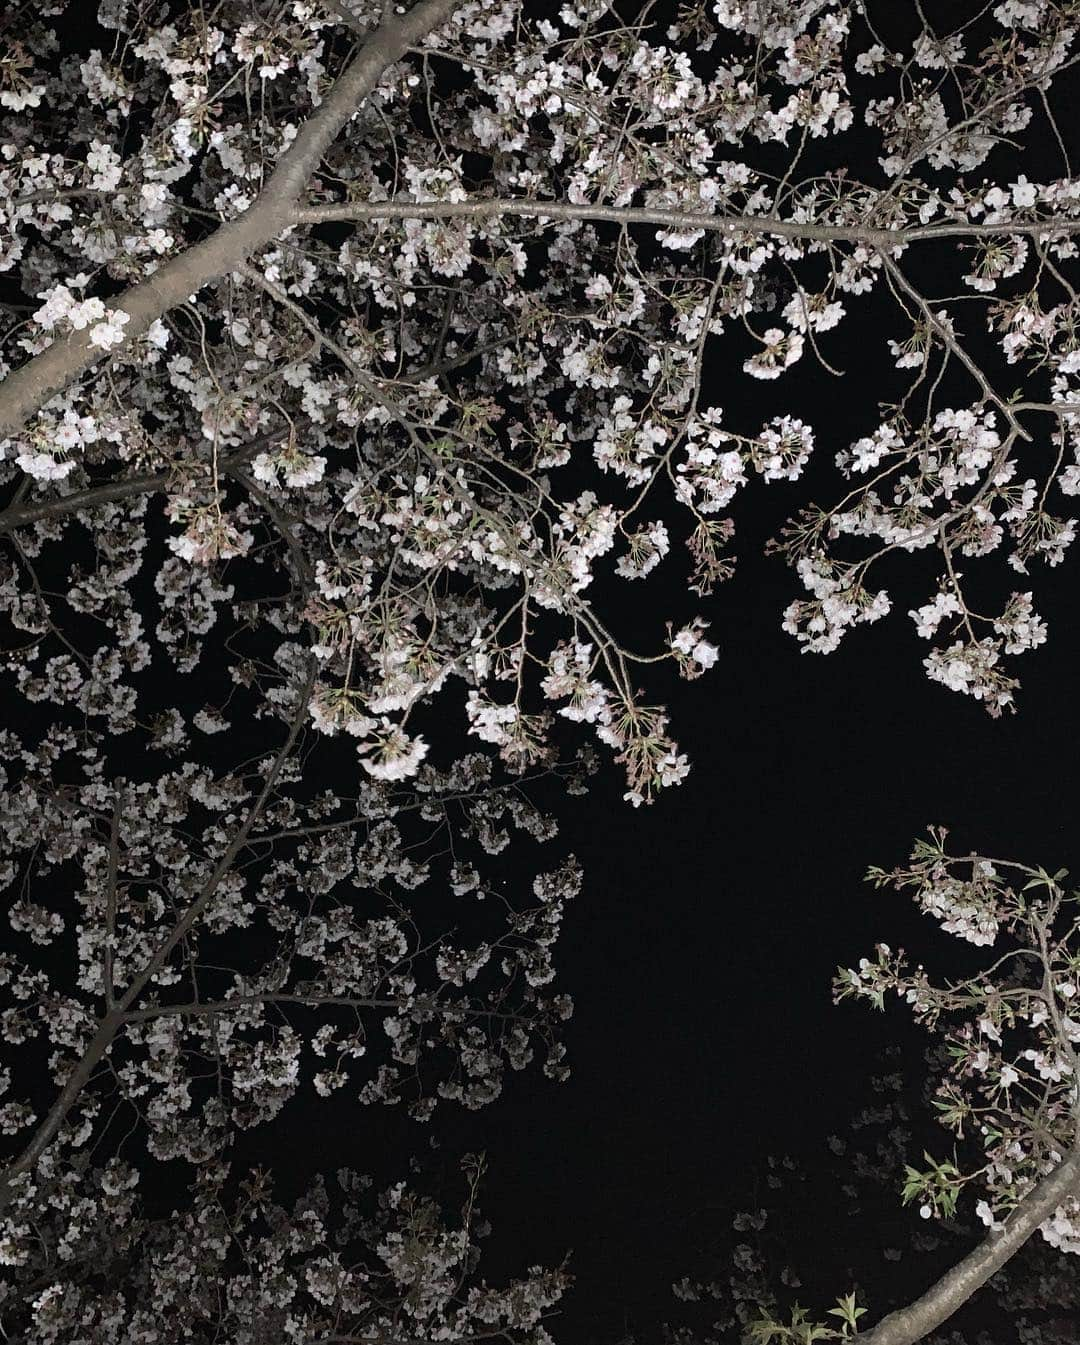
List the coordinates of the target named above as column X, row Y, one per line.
column 353, row 356
column 193, row 949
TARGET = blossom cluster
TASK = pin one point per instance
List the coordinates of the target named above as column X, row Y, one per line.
column 1011, row 1031
column 239, row 1263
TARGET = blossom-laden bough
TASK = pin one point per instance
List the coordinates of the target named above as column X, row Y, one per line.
column 193, row 951
column 452, row 258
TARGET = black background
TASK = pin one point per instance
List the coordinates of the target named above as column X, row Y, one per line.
column 701, row 952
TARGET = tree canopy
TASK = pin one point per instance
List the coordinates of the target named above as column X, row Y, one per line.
column 367, row 368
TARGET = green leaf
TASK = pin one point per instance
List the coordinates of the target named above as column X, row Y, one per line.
column 848, row 1313
column 1044, row 879
column 766, row 1332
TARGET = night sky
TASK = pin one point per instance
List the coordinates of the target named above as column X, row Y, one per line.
column 701, row 952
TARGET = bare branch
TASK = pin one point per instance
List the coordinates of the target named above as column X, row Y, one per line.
column 495, row 207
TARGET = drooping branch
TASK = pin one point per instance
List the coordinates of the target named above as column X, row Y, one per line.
column 271, row 213
column 944, row 335
column 303, row 571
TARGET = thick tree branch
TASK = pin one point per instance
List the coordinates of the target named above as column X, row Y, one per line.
column 952, row 1291
column 76, row 1081
column 52, row 194
column 19, row 515
column 271, row 213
